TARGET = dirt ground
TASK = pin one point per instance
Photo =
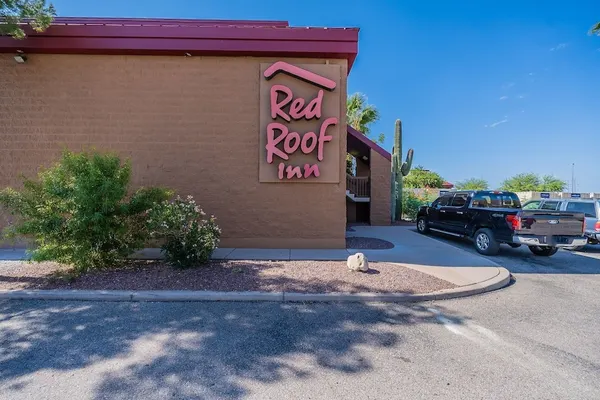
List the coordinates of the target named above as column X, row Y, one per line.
column 291, row 276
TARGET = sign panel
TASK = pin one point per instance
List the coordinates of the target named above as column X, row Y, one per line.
column 545, row 195
column 300, row 130
column 576, row 195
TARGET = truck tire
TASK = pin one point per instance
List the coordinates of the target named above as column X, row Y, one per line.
column 545, row 251
column 485, row 242
column 422, row 226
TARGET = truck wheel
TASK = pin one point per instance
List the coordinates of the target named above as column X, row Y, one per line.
column 485, row 242
column 545, row 251
column 422, row 226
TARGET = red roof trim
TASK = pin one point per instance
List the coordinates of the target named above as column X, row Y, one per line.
column 374, row 146
column 177, row 37
column 166, row 21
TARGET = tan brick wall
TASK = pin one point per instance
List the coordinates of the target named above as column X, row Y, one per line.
column 187, row 123
column 380, row 189
column 362, row 169
column 350, row 211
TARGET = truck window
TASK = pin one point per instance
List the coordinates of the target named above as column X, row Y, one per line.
column 550, row 205
column 496, row 200
column 531, row 205
column 459, row 199
column 445, row 200
column 589, row 209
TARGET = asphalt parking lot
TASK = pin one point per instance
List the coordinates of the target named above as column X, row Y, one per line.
column 521, row 260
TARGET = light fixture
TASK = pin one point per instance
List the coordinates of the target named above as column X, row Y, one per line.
column 188, row 55
column 20, row 57
column 365, row 158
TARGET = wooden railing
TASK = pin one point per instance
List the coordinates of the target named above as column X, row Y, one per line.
column 358, row 185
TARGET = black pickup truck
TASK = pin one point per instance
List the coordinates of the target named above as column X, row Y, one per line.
column 490, row 218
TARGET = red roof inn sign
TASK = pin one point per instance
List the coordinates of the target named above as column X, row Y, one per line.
column 300, row 123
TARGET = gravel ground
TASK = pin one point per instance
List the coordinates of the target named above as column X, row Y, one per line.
column 366, row 243
column 293, row 276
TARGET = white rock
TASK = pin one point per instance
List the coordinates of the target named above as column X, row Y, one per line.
column 358, row 262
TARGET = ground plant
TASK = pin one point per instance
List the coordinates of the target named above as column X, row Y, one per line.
column 80, row 211
column 411, row 203
column 189, row 237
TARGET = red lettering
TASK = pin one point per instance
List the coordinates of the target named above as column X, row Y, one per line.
column 296, row 108
column 313, row 109
column 277, row 106
column 293, row 171
column 305, row 147
column 323, row 137
column 289, row 148
column 280, row 170
column 272, row 142
column 311, row 170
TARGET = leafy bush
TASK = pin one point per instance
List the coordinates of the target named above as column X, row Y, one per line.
column 411, row 203
column 79, row 213
column 189, row 238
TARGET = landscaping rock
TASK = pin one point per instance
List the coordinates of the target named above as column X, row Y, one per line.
column 358, row 262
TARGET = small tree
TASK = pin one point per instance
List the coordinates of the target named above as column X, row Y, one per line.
column 360, row 115
column 529, row 182
column 551, row 184
column 78, row 211
column 419, row 177
column 473, row 184
column 13, row 13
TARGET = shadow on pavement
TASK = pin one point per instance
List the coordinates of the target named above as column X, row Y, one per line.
column 184, row 350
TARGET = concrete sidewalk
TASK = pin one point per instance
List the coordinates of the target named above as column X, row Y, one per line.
column 471, row 273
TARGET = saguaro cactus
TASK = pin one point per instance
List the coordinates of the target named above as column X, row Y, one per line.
column 399, row 171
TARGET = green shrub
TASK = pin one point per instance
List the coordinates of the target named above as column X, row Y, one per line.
column 411, row 203
column 78, row 211
column 189, row 237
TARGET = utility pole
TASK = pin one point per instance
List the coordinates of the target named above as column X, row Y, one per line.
column 573, row 178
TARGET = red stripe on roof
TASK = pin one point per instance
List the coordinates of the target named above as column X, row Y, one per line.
column 197, row 37
column 166, row 21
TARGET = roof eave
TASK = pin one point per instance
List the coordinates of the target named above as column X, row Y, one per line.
column 196, row 37
column 371, row 144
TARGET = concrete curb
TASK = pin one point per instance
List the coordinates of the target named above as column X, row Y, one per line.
column 499, row 281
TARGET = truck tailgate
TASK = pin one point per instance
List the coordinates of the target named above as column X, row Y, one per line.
column 551, row 223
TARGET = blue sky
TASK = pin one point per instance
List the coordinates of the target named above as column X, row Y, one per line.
column 484, row 88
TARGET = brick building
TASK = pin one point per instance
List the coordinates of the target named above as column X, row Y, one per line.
column 249, row 117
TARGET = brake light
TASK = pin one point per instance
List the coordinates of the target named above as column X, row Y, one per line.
column 597, row 226
column 514, row 221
